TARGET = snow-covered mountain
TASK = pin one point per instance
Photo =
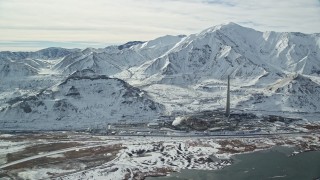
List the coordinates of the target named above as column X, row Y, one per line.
column 255, row 60
column 48, row 53
column 10, row 68
column 270, row 72
column 231, row 49
column 297, row 93
column 21, row 64
column 117, row 59
column 83, row 100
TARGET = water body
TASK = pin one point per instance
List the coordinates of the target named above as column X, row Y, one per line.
column 269, row 164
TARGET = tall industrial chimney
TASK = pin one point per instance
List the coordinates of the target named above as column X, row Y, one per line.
column 228, row 98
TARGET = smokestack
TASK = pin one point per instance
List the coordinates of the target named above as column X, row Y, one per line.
column 228, row 98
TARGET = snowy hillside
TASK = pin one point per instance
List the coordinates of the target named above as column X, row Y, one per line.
column 292, row 94
column 48, row 53
column 113, row 60
column 231, row 49
column 270, row 72
column 20, row 64
column 255, row 60
column 83, row 100
column 10, row 68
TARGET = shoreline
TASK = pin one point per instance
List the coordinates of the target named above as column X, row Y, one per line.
column 234, row 160
column 134, row 157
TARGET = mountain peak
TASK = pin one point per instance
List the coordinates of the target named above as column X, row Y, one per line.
column 129, row 44
column 230, row 26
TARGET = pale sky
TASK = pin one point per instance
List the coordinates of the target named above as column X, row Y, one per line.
column 35, row 24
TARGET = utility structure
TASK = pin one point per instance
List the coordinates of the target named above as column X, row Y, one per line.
column 228, row 99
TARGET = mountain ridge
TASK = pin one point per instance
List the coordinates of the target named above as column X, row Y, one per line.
column 177, row 74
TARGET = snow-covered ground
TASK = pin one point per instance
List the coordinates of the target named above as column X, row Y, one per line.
column 131, row 157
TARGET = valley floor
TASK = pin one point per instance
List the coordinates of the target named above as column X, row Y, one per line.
column 73, row 155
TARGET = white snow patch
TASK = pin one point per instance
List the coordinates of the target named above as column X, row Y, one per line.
column 178, row 120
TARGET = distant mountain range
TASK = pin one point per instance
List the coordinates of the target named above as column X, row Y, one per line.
column 57, row 88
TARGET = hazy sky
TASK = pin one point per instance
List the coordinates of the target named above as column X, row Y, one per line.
column 34, row 24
